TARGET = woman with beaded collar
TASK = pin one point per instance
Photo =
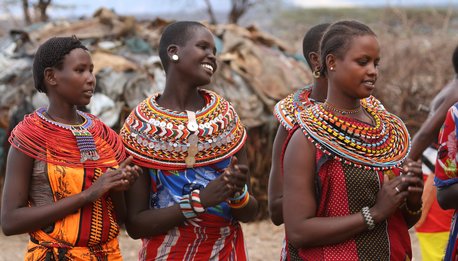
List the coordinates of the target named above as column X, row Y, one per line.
column 61, row 186
column 190, row 141
column 344, row 197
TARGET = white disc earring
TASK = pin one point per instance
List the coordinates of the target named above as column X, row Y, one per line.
column 175, row 57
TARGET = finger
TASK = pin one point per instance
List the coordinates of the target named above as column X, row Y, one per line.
column 385, row 179
column 126, row 162
column 243, row 168
column 415, row 189
column 234, row 161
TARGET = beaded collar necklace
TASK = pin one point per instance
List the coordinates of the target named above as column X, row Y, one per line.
column 331, row 107
column 165, row 139
column 84, row 139
column 382, row 146
column 286, row 109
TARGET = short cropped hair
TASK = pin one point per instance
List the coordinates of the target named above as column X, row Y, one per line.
column 455, row 60
column 51, row 54
column 176, row 33
column 311, row 41
column 337, row 38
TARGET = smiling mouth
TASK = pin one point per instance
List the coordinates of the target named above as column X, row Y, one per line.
column 207, row 67
column 370, row 84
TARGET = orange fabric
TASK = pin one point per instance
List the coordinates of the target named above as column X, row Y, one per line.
column 88, row 233
column 108, row 252
column 433, row 217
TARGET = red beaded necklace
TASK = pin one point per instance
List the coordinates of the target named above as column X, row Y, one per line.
column 68, row 145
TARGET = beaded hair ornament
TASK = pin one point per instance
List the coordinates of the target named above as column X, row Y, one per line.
column 379, row 147
column 164, row 139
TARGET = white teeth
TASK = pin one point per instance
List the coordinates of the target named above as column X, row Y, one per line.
column 208, row 66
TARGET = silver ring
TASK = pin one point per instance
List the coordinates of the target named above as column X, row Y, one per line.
column 397, row 189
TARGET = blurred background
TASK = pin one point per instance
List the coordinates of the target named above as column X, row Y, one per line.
column 260, row 60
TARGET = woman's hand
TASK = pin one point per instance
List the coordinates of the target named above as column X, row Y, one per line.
column 390, row 197
column 415, row 188
column 119, row 179
column 237, row 175
column 232, row 180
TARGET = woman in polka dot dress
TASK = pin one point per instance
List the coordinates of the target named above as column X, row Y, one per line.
column 345, row 195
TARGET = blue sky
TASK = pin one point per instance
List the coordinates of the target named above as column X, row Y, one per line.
column 87, row 7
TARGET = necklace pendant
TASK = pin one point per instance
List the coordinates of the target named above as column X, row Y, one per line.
column 192, row 122
column 190, row 161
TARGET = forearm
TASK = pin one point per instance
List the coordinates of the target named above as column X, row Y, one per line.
column 411, row 210
column 275, row 210
column 27, row 219
column 119, row 204
column 447, row 197
column 320, row 231
column 153, row 222
column 247, row 213
column 420, row 142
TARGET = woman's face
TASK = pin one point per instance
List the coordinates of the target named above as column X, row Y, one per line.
column 356, row 72
column 75, row 82
column 197, row 60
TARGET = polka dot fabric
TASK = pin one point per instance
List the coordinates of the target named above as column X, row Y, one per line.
column 345, row 190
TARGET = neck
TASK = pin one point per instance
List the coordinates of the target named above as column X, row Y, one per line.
column 319, row 90
column 181, row 99
column 70, row 117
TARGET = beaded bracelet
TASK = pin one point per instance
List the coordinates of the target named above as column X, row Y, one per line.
column 196, row 205
column 241, row 196
column 242, row 203
column 186, row 208
column 368, row 218
column 413, row 212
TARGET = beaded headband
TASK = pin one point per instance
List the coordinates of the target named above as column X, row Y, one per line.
column 169, row 140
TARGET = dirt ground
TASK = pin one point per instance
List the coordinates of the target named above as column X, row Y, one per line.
column 263, row 241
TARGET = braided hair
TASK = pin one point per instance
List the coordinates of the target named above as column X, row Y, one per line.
column 336, row 40
column 176, row 33
column 51, row 54
column 311, row 41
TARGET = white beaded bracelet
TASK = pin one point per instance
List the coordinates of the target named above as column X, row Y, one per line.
column 368, row 218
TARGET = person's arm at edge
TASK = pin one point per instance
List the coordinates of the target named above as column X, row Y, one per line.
column 446, row 195
column 430, row 128
column 275, row 187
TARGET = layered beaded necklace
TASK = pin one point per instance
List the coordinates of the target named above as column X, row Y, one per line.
column 382, row 146
column 169, row 140
column 84, row 139
column 285, row 110
column 43, row 138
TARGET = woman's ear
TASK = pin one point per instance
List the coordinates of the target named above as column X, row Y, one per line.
column 331, row 62
column 172, row 52
column 314, row 59
column 49, row 76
